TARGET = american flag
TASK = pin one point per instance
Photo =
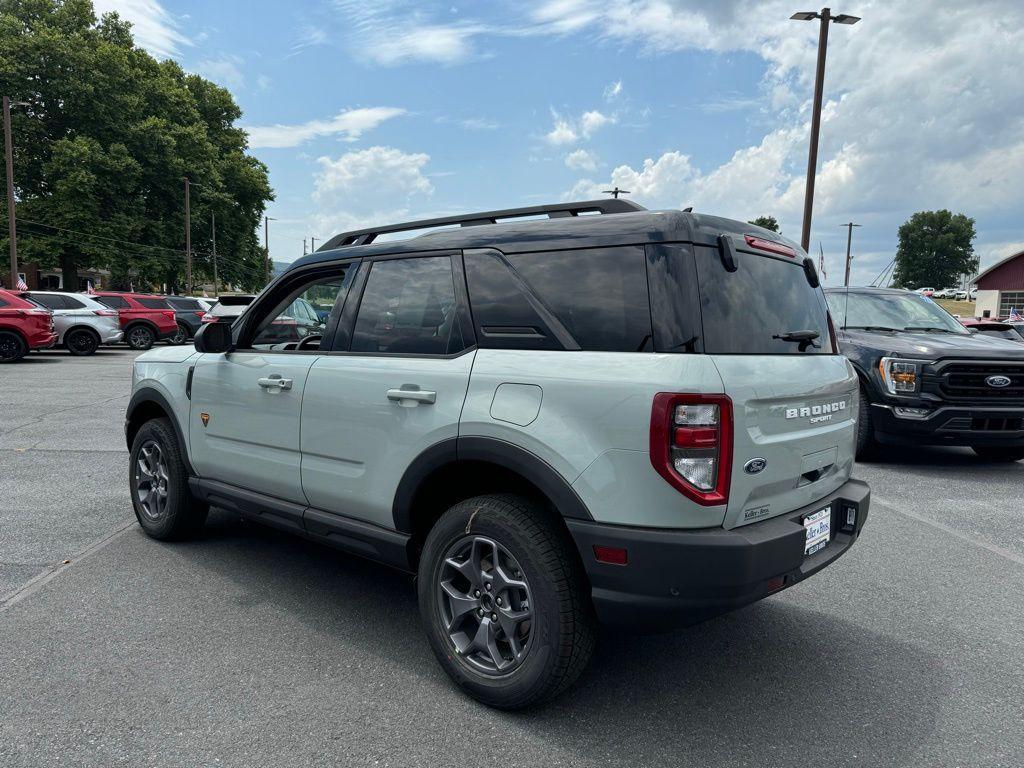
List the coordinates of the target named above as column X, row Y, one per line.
column 88, row 287
column 1015, row 316
column 21, row 286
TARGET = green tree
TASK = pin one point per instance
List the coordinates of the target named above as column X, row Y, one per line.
column 768, row 222
column 935, row 249
column 103, row 147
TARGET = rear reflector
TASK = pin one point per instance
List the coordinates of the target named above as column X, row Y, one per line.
column 769, row 246
column 610, row 555
column 774, row 585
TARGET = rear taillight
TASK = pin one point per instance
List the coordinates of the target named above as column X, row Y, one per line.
column 200, row 313
column 208, row 318
column 105, row 312
column 770, row 246
column 691, row 444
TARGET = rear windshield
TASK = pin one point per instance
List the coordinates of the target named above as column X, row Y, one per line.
column 765, row 307
column 153, row 303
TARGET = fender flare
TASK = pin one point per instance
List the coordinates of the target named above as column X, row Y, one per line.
column 494, row 451
column 150, row 395
column 142, row 321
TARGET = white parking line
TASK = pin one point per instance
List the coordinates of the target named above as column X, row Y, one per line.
column 34, row 585
column 993, row 548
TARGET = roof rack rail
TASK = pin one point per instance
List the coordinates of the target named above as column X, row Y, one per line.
column 560, row 210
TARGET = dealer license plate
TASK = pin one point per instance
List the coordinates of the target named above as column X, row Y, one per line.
column 818, row 527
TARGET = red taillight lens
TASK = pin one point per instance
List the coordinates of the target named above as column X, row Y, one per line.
column 691, row 444
column 207, row 318
column 769, row 246
column 200, row 313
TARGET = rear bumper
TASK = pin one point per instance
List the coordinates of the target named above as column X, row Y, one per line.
column 42, row 340
column 113, row 337
column 679, row 577
column 982, row 425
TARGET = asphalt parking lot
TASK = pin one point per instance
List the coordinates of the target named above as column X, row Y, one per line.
column 245, row 648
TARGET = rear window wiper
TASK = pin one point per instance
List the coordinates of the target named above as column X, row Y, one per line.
column 870, row 328
column 804, row 338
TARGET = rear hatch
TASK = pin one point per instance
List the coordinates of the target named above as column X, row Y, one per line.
column 794, row 399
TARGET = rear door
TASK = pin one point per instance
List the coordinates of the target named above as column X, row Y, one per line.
column 794, row 399
column 394, row 386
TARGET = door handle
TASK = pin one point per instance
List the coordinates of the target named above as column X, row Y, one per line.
column 275, row 382
column 409, row 398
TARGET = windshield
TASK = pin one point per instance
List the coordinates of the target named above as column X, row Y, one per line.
column 893, row 311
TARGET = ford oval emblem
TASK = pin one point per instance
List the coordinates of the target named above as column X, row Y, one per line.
column 998, row 381
column 754, row 466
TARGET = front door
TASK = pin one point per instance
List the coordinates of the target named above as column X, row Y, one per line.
column 246, row 404
column 398, row 389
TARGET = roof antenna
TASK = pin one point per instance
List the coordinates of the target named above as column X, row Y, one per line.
column 616, row 192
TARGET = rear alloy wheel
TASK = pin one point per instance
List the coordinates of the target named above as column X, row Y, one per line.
column 158, row 481
column 140, row 337
column 180, row 336
column 504, row 601
column 999, row 452
column 12, row 347
column 81, row 342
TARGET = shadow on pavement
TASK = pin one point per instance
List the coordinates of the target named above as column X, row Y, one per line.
column 772, row 684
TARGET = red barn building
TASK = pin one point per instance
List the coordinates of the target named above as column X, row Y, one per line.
column 1001, row 287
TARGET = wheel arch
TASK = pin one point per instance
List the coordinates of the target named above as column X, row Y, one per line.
column 148, row 404
column 460, row 468
column 80, row 327
column 142, row 321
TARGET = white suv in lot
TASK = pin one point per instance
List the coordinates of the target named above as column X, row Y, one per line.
column 554, row 416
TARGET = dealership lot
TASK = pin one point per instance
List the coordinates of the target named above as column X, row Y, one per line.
column 248, row 648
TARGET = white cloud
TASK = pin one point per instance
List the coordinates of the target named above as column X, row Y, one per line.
column 225, row 71
column 581, row 160
column 613, row 90
column 367, row 187
column 479, row 124
column 153, row 27
column 568, row 131
column 352, row 123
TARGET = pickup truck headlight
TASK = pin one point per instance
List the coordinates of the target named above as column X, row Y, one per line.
column 900, row 377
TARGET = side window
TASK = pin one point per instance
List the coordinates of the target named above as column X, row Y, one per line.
column 598, row 296
column 289, row 325
column 3, row 303
column 48, row 300
column 154, row 303
column 114, row 302
column 409, row 306
column 72, row 303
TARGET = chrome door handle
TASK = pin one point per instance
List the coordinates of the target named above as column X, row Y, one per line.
column 411, row 397
column 275, row 382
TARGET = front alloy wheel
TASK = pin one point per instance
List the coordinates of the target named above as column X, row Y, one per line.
column 151, row 481
column 485, row 604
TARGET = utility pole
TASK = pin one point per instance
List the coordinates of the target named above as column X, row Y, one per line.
column 819, row 86
column 266, row 245
column 213, row 221
column 304, row 251
column 616, row 192
column 188, row 242
column 312, row 245
column 12, row 229
column 849, row 238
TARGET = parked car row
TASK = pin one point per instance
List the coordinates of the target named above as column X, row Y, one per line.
column 959, row 294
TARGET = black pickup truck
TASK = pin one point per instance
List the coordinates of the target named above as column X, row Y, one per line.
column 927, row 380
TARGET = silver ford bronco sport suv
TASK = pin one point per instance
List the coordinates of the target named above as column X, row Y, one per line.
column 555, row 417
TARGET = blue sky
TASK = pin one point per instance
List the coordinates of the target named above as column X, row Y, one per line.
column 371, row 112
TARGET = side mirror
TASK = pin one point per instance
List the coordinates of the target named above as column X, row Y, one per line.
column 214, row 337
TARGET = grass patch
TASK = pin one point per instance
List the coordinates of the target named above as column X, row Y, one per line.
column 962, row 308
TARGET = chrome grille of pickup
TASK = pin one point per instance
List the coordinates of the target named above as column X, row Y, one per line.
column 966, row 381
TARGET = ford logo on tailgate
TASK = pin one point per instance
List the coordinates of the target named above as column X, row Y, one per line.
column 754, row 466
column 998, row 381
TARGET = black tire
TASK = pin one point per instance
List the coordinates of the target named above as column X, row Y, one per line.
column 140, row 337
column 866, row 444
column 999, row 452
column 558, row 639
column 81, row 342
column 180, row 336
column 12, row 347
column 179, row 515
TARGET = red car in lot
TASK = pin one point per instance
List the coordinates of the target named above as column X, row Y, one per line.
column 145, row 317
column 24, row 325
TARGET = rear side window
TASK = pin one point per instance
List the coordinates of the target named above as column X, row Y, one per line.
column 153, row 303
column 749, row 311
column 48, row 300
column 179, row 303
column 409, row 306
column 3, row 303
column 70, row 302
column 114, row 302
column 596, row 298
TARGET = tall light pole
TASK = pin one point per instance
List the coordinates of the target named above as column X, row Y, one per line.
column 819, row 84
column 12, row 229
column 266, row 244
column 213, row 225
column 312, row 244
column 849, row 239
column 188, row 242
